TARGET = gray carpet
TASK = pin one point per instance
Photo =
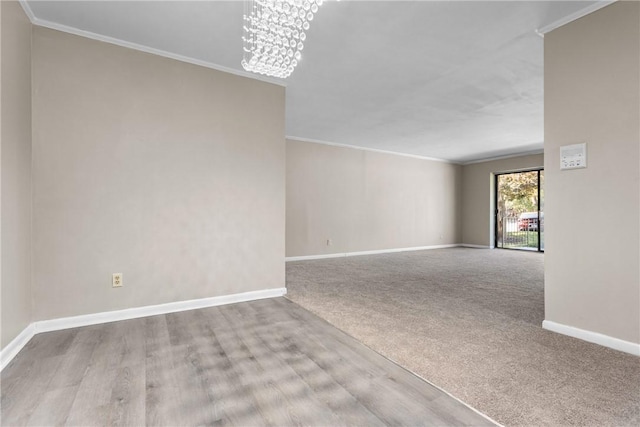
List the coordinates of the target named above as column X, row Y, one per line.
column 469, row 321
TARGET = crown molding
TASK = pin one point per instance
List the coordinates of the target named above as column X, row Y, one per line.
column 508, row 156
column 375, row 150
column 573, row 16
column 27, row 10
column 142, row 48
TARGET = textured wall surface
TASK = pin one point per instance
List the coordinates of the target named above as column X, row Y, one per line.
column 16, row 171
column 363, row 200
column 592, row 95
column 169, row 173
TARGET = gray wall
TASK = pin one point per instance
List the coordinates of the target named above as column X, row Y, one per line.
column 478, row 195
column 364, row 200
column 592, row 95
column 169, row 173
column 16, row 171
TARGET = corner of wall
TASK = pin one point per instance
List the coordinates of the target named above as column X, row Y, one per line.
column 592, row 95
column 16, row 130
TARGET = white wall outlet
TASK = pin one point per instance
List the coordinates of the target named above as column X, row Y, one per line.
column 329, row 242
column 116, row 280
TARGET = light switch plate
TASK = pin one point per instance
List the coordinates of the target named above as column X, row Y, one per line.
column 573, row 156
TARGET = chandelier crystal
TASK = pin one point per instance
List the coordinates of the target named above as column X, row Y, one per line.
column 274, row 33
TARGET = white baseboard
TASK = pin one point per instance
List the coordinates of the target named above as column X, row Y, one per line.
column 593, row 337
column 376, row 252
column 469, row 245
column 9, row 352
column 153, row 310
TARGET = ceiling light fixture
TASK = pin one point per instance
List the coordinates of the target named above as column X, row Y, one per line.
column 274, row 33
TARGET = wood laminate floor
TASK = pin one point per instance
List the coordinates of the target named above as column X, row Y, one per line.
column 267, row 362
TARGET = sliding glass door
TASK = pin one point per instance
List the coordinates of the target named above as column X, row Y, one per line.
column 519, row 214
column 541, row 210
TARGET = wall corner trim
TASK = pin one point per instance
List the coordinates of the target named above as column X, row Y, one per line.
column 376, row 252
column 593, row 337
column 13, row 348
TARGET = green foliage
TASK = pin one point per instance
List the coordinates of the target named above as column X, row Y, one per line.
column 518, row 192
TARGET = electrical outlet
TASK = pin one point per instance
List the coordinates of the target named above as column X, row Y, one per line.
column 116, row 280
column 329, row 242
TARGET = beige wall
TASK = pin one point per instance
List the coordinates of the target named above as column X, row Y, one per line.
column 592, row 246
column 16, row 171
column 364, row 200
column 169, row 173
column 478, row 198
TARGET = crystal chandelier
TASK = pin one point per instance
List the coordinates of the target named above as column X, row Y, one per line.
column 274, row 34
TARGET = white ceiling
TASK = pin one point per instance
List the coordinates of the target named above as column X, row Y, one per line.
column 451, row 80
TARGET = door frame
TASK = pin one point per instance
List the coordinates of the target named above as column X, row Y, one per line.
column 495, row 205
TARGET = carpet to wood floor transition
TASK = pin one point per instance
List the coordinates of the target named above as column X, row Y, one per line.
column 469, row 321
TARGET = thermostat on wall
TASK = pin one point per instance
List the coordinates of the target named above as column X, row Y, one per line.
column 573, row 156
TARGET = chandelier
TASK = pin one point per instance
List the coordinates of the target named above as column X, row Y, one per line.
column 274, row 33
